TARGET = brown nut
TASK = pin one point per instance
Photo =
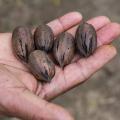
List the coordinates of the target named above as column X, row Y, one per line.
column 41, row 66
column 44, row 38
column 64, row 49
column 86, row 40
column 22, row 42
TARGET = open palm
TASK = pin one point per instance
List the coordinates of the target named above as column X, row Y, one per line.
column 23, row 97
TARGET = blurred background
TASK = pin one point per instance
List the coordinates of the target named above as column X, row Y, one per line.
column 99, row 97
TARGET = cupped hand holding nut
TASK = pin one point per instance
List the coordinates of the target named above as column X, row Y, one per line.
column 22, row 42
column 64, row 49
column 41, row 65
column 35, row 51
column 24, row 97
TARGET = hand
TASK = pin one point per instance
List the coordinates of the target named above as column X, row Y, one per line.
column 23, row 97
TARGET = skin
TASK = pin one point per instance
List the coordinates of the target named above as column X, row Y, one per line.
column 23, row 97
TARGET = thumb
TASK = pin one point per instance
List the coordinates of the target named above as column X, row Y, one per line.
column 30, row 107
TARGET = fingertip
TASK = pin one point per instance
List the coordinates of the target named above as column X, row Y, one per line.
column 111, row 49
column 116, row 26
column 70, row 19
column 76, row 14
column 99, row 21
column 105, row 18
column 108, row 33
column 106, row 51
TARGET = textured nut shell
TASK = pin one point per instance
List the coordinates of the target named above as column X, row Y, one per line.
column 22, row 42
column 64, row 49
column 41, row 66
column 44, row 38
column 86, row 40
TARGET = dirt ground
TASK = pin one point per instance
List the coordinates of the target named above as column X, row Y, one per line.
column 99, row 97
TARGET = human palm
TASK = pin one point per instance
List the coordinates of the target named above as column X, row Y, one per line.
column 22, row 96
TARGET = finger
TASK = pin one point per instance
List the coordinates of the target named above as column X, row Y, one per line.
column 29, row 107
column 77, row 72
column 65, row 22
column 84, row 68
column 97, row 22
column 108, row 33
